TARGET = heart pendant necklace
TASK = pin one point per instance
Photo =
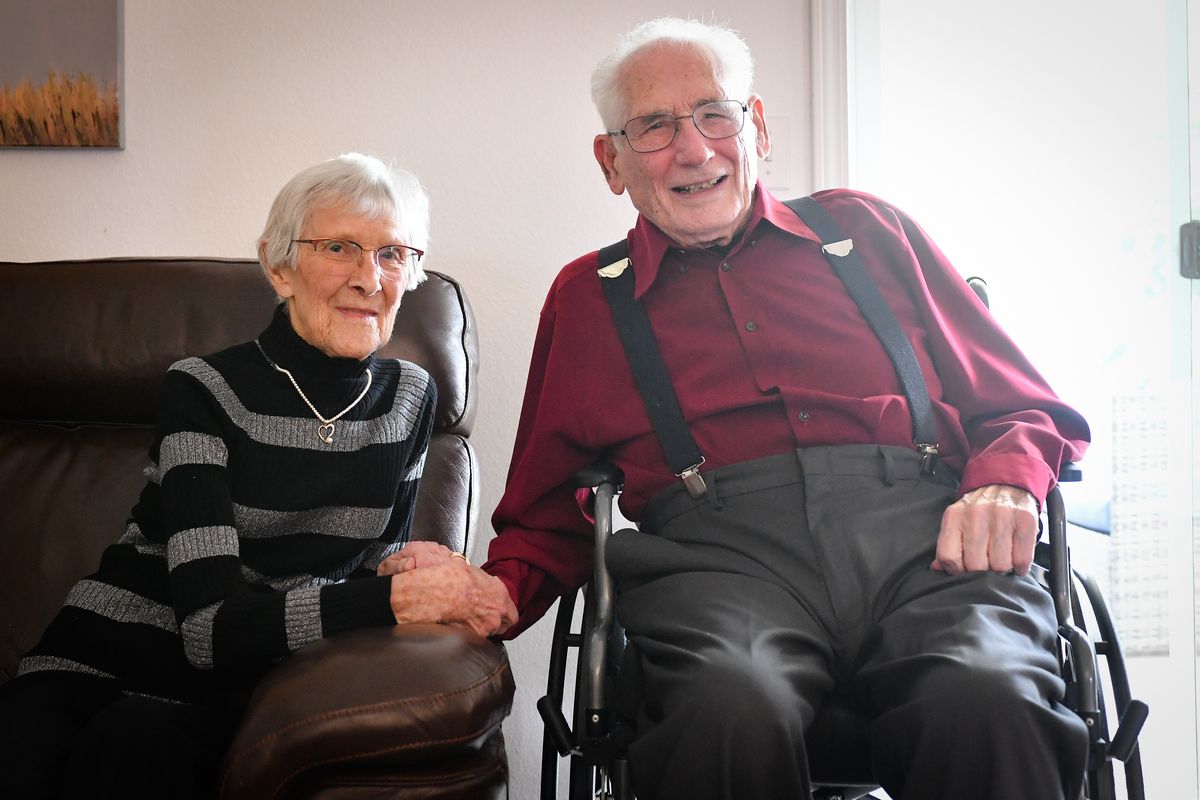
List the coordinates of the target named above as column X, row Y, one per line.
column 325, row 428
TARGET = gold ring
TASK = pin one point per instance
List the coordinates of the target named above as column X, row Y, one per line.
column 459, row 555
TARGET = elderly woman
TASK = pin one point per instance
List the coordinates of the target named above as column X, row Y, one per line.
column 281, row 490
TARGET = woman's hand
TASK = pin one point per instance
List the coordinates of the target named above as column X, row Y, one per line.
column 415, row 555
column 453, row 593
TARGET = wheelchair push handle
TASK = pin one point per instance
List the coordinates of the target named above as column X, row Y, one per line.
column 979, row 287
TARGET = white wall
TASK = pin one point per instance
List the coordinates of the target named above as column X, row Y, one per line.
column 1044, row 146
column 487, row 102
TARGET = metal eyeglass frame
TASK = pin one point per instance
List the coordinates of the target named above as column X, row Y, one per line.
column 374, row 251
column 744, row 106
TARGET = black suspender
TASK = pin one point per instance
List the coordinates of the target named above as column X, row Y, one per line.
column 839, row 251
column 658, row 394
column 649, row 373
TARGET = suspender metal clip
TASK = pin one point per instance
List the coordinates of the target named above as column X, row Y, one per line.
column 929, row 458
column 693, row 481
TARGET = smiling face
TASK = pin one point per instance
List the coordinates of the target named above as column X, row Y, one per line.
column 347, row 316
column 698, row 191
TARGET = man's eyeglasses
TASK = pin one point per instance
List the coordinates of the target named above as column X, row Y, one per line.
column 716, row 120
column 342, row 256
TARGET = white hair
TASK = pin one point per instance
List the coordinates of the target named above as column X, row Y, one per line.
column 733, row 66
column 365, row 184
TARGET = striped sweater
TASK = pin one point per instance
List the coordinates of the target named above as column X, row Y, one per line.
column 252, row 537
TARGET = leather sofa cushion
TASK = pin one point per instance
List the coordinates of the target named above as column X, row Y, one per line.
column 72, row 493
column 450, row 692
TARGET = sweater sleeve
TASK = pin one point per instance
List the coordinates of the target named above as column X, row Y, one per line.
column 406, row 498
column 231, row 618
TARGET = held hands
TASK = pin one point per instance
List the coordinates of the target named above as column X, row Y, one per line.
column 414, row 555
column 438, row 586
column 990, row 528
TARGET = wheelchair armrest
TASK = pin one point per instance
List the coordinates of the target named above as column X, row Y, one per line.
column 1070, row 472
column 1059, row 568
column 1084, row 654
column 599, row 473
column 606, row 479
column 592, row 714
column 1059, row 557
column 377, row 698
column 600, row 619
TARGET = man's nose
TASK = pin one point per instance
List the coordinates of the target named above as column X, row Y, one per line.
column 691, row 146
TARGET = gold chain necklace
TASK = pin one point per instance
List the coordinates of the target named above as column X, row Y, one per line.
column 325, row 429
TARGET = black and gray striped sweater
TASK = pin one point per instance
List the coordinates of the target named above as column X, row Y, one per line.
column 252, row 537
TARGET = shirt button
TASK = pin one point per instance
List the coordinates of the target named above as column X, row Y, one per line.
column 726, row 267
column 683, row 267
column 752, row 326
column 753, row 242
column 803, row 416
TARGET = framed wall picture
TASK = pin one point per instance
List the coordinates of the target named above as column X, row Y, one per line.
column 61, row 73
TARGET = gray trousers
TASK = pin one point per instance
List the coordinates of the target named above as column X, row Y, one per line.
column 810, row 571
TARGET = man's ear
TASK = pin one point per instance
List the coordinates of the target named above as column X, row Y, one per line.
column 762, row 139
column 280, row 277
column 606, row 156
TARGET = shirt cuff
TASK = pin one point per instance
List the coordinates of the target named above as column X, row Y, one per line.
column 1012, row 469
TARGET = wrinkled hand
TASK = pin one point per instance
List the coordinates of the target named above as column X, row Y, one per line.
column 453, row 593
column 990, row 528
column 413, row 556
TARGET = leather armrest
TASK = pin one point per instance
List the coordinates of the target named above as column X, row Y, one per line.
column 381, row 697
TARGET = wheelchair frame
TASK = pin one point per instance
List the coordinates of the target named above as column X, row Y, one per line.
column 600, row 770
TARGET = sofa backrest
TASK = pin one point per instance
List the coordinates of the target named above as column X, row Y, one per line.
column 84, row 347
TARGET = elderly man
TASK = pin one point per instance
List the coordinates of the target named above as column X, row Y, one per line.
column 824, row 503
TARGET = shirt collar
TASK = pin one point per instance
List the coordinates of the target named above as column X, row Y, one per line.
column 648, row 245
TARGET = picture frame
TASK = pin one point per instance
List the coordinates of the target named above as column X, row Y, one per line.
column 61, row 74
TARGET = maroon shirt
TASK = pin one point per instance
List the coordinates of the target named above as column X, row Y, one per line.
column 767, row 353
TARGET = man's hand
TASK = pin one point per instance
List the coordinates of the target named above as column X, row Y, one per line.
column 454, row 593
column 990, row 528
column 414, row 555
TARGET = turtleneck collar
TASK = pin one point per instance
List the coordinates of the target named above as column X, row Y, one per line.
column 285, row 347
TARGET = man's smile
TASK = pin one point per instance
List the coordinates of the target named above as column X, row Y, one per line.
column 692, row 188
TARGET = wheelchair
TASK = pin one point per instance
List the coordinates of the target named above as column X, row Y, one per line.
column 837, row 741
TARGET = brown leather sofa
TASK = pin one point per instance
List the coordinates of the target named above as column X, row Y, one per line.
column 403, row 712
